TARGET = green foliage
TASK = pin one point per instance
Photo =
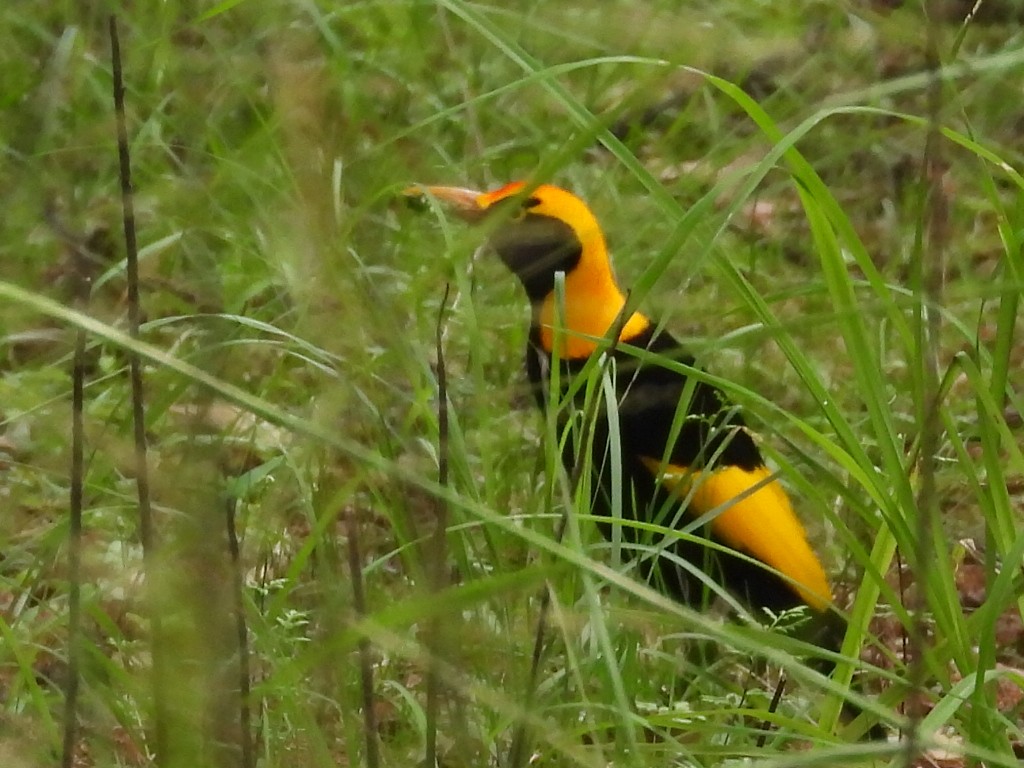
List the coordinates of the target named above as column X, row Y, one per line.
column 757, row 169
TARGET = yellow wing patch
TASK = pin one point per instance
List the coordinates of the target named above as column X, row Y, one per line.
column 760, row 523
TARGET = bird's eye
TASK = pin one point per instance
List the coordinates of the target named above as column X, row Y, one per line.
column 515, row 209
column 528, row 203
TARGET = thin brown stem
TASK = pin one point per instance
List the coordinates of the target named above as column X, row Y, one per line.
column 439, row 544
column 242, row 631
column 75, row 526
column 365, row 658
column 146, row 535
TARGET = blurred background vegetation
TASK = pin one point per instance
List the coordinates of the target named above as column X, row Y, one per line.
column 269, row 144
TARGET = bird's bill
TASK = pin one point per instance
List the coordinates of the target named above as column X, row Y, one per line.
column 464, row 203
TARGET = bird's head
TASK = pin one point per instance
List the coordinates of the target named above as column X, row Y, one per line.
column 537, row 231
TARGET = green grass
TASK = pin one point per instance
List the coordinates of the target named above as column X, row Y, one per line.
column 291, row 300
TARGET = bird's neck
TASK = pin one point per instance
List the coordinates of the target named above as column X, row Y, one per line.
column 593, row 303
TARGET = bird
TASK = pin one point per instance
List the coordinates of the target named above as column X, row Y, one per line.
column 679, row 452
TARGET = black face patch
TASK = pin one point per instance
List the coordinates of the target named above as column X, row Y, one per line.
column 535, row 247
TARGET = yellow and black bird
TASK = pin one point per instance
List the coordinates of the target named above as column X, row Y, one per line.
column 684, row 452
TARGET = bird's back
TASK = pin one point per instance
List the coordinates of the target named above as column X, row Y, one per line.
column 668, row 420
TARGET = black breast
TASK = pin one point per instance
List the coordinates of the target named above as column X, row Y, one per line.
column 649, row 397
column 712, row 432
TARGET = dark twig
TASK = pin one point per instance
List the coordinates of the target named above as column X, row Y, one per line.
column 773, row 707
column 438, row 549
column 80, row 276
column 365, row 660
column 517, row 752
column 242, row 630
column 138, row 408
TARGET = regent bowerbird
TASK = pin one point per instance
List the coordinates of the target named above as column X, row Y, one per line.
column 684, row 452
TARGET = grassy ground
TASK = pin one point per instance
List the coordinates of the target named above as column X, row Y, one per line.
column 786, row 233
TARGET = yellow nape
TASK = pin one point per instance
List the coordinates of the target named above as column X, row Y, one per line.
column 761, row 524
column 590, row 310
column 593, row 300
